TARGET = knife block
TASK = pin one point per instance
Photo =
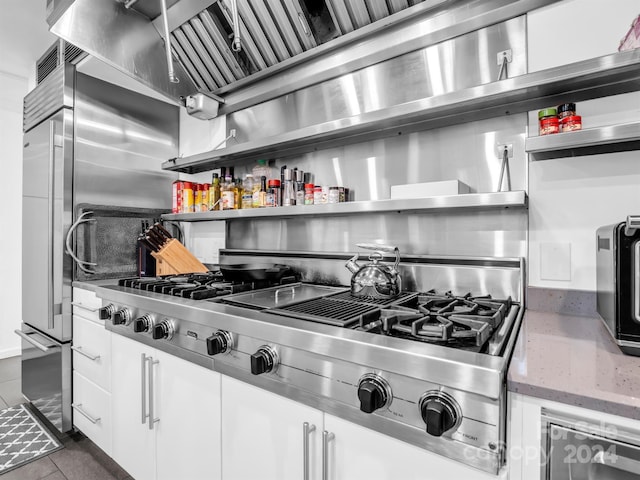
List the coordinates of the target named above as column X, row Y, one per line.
column 174, row 258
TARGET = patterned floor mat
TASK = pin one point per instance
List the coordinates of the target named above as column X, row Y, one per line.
column 23, row 438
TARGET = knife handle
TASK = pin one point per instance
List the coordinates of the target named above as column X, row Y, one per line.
column 163, row 231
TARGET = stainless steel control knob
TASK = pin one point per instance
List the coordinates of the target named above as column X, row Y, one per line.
column 440, row 412
column 265, row 360
column 163, row 330
column 142, row 324
column 122, row 317
column 373, row 392
column 104, row 313
column 219, row 342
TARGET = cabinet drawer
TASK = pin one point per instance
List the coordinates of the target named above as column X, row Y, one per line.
column 92, row 411
column 92, row 351
column 86, row 304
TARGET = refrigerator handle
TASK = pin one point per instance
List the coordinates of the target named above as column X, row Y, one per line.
column 50, row 206
column 38, row 345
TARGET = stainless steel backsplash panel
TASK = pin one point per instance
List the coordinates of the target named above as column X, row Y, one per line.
column 467, row 152
column 493, row 234
column 452, row 65
column 501, row 278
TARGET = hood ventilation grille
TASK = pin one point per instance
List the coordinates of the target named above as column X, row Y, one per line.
column 270, row 32
column 59, row 53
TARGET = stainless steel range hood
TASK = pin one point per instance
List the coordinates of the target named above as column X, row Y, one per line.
column 274, row 34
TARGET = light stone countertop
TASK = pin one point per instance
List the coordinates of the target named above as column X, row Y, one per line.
column 574, row 360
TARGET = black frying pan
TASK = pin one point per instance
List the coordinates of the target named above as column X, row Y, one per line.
column 251, row 272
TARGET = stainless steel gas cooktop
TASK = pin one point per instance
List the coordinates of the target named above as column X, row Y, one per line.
column 427, row 367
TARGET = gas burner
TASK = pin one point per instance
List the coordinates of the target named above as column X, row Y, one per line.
column 458, row 321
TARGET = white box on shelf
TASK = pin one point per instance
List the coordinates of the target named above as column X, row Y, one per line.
column 429, row 189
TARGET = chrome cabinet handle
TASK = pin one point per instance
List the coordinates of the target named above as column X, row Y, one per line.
column 38, row 345
column 326, row 438
column 78, row 409
column 618, row 462
column 84, row 307
column 152, row 419
column 143, row 386
column 306, row 431
column 85, row 354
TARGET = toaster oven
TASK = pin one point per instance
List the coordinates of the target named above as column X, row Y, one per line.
column 618, row 282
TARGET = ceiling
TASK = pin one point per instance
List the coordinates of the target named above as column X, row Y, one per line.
column 24, row 36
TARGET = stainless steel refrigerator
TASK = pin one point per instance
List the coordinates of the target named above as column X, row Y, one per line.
column 86, row 143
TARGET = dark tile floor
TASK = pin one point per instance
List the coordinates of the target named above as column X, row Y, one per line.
column 80, row 459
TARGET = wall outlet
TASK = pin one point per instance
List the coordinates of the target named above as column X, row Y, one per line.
column 555, row 261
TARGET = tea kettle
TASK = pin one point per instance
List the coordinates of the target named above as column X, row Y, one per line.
column 375, row 280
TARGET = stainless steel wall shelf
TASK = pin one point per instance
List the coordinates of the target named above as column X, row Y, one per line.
column 470, row 201
column 591, row 141
column 593, row 78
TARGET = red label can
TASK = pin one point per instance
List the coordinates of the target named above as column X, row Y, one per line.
column 187, row 197
column 176, row 196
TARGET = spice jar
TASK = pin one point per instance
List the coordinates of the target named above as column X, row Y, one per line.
column 549, row 122
column 334, row 195
column 566, row 110
column 549, row 126
column 273, row 193
column 317, row 195
column 308, row 193
column 571, row 124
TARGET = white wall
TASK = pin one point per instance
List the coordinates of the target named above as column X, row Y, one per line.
column 23, row 39
column 12, row 89
column 570, row 198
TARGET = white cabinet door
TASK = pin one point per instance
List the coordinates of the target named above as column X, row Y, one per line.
column 357, row 452
column 187, row 404
column 92, row 351
column 133, row 443
column 263, row 435
column 92, row 411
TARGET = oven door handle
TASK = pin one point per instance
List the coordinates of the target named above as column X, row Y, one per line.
column 618, row 462
column 38, row 345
